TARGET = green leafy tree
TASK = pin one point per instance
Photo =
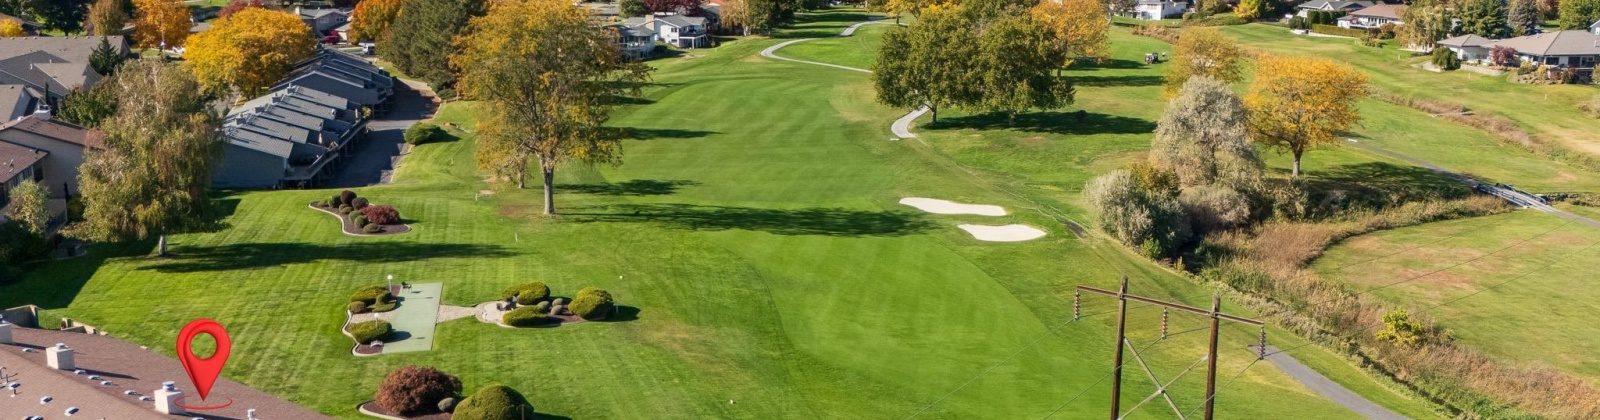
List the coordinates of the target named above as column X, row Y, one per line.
column 1445, row 59
column 1427, row 22
column 151, row 178
column 1203, row 52
column 766, row 15
column 1485, row 18
column 550, row 78
column 1579, row 14
column 1524, row 17
column 1015, row 59
column 105, row 58
column 88, row 107
column 1398, row 328
column 1202, row 136
column 107, row 17
column 62, row 15
column 914, row 66
column 632, row 8
column 419, row 40
column 1250, row 9
column 28, row 206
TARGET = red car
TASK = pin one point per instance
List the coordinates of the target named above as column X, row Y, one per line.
column 330, row 39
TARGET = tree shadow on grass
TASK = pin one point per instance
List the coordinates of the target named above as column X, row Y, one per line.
column 1107, row 64
column 1116, row 81
column 636, row 187
column 1076, row 122
column 191, row 259
column 636, row 133
column 55, row 284
column 812, row 221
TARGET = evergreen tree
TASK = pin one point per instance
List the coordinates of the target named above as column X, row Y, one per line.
column 632, row 8
column 419, row 40
column 105, row 58
column 1579, row 14
column 62, row 15
column 1485, row 18
column 1524, row 17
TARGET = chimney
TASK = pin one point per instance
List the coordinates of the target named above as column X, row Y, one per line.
column 43, row 111
column 60, row 357
column 167, row 399
column 5, row 333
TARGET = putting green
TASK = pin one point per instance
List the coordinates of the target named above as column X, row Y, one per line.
column 414, row 319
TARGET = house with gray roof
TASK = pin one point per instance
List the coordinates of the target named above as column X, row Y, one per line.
column 1331, row 6
column 635, row 43
column 676, row 30
column 1468, row 47
column 1158, row 9
column 322, row 21
column 1570, row 48
column 52, row 64
column 344, row 76
column 65, row 146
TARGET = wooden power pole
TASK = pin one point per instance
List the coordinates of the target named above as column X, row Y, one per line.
column 1216, row 316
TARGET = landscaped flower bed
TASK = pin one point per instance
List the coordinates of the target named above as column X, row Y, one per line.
column 368, row 331
column 361, row 217
column 530, row 305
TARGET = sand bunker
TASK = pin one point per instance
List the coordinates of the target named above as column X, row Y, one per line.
column 937, row 206
column 1007, row 233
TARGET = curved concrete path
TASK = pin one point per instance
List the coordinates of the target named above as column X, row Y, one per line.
column 901, row 127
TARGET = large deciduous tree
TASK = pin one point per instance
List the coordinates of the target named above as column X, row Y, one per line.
column 1485, row 18
column 766, row 15
column 107, row 18
column 160, row 22
column 88, row 107
column 11, row 29
column 1579, row 14
column 419, row 41
column 62, row 15
column 249, row 50
column 152, row 175
column 1299, row 103
column 1203, row 52
column 915, row 65
column 736, row 13
column 28, row 206
column 549, row 78
column 1015, row 59
column 1202, row 136
column 1525, row 17
column 1078, row 27
column 372, row 18
column 1427, row 22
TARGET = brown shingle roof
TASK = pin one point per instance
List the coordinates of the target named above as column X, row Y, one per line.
column 1571, row 42
column 13, row 158
column 1391, row 11
column 127, row 367
column 58, row 130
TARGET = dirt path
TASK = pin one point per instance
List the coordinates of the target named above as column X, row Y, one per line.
column 1517, row 198
column 901, row 127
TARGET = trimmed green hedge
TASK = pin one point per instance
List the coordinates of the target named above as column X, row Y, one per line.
column 367, row 332
column 526, row 316
column 357, row 307
column 494, row 402
column 1335, row 30
column 420, row 133
column 376, row 297
column 592, row 303
column 537, row 291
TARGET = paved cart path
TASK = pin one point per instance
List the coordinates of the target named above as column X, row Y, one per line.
column 901, row 127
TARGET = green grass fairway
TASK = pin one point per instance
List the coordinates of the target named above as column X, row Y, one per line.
column 754, row 241
column 1551, row 111
column 1517, row 299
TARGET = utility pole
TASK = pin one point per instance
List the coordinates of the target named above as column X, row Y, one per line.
column 1216, row 316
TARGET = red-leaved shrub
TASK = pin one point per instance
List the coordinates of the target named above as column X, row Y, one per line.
column 382, row 215
column 414, row 389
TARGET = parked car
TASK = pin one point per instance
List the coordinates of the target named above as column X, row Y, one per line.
column 330, row 39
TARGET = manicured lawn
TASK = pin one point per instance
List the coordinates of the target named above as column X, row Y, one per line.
column 1550, row 111
column 1516, row 285
column 754, row 237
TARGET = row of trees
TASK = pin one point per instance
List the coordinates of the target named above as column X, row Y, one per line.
column 1428, row 21
column 986, row 58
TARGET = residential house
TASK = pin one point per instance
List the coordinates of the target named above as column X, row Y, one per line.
column 1155, row 9
column 63, row 144
column 1595, row 28
column 635, row 43
column 17, row 164
column 1331, row 6
column 1375, row 16
column 343, row 31
column 15, row 102
column 299, row 132
column 1570, row 48
column 603, row 12
column 322, row 21
column 676, row 30
column 1468, row 47
column 53, row 65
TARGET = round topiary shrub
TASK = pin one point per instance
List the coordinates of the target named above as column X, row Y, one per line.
column 370, row 331
column 373, row 294
column 527, row 293
column 359, row 203
column 413, row 390
column 526, row 316
column 319, row 203
column 372, row 228
column 494, row 402
column 358, row 219
column 345, row 210
column 420, row 133
column 592, row 303
column 382, row 214
column 334, row 202
column 347, row 197
column 356, row 307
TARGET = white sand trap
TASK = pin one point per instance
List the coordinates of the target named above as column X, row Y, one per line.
column 937, row 206
column 1007, row 233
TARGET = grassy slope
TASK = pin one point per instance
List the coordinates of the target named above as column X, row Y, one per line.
column 1488, row 301
column 763, row 251
column 1547, row 110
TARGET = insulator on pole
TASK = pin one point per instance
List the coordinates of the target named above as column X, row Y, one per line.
column 1163, row 323
column 1077, row 304
column 1261, row 344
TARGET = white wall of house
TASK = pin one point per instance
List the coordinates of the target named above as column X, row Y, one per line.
column 1470, row 53
column 1161, row 10
column 60, row 166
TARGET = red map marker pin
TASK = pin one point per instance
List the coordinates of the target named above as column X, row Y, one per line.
column 203, row 372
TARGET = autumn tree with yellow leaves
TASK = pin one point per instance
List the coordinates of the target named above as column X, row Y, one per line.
column 549, row 78
column 160, row 21
column 1077, row 27
column 1203, row 52
column 11, row 29
column 249, row 50
column 106, row 18
column 371, row 19
column 1299, row 103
